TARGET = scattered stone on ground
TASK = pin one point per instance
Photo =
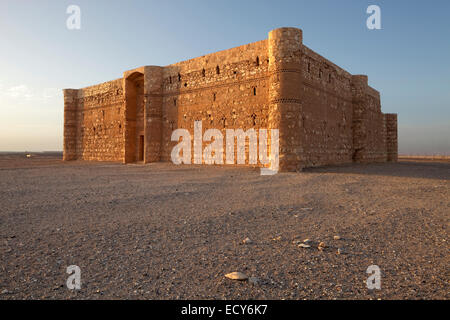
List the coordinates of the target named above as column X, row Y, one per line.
column 106, row 211
column 321, row 246
column 237, row 276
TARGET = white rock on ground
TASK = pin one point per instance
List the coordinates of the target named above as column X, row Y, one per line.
column 236, row 276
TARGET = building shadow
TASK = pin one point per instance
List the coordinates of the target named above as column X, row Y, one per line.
column 438, row 170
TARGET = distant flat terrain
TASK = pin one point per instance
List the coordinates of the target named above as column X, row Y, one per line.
column 20, row 160
column 425, row 158
column 161, row 231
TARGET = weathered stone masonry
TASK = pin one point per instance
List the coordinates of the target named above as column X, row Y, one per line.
column 324, row 114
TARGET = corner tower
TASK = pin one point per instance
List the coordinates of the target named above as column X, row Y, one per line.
column 70, row 124
column 153, row 104
column 359, row 88
column 391, row 137
column 285, row 80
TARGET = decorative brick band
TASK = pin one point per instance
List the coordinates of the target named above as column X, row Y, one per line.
column 284, row 100
column 226, row 84
column 285, row 71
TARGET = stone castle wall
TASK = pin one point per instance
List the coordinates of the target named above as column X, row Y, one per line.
column 225, row 90
column 97, row 132
column 324, row 114
column 327, row 111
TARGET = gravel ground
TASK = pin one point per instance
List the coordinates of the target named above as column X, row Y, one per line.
column 161, row 231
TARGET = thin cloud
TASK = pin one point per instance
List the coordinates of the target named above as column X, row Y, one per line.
column 20, row 91
column 26, row 93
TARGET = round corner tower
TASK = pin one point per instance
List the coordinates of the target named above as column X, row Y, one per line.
column 70, row 124
column 285, row 69
column 153, row 101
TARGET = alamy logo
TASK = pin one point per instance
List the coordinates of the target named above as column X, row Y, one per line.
column 73, row 22
column 213, row 153
column 374, row 20
column 374, row 280
column 74, row 280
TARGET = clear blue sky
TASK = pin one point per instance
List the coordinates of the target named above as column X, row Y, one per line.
column 407, row 61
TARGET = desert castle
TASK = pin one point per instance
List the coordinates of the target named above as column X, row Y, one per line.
column 324, row 114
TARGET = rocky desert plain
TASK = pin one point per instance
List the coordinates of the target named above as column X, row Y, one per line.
column 161, row 231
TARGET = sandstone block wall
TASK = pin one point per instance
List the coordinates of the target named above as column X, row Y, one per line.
column 327, row 111
column 324, row 114
column 225, row 90
column 93, row 122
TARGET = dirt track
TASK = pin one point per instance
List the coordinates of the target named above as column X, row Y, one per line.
column 161, row 231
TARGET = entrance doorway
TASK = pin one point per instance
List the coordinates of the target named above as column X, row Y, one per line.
column 134, row 117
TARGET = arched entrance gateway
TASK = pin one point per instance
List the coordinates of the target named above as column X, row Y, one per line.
column 134, row 117
column 143, row 113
